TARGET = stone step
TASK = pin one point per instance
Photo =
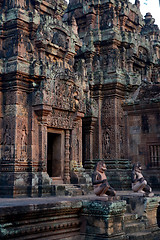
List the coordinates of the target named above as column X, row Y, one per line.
column 118, row 185
column 30, row 230
column 67, row 190
column 134, row 227
column 130, row 217
column 140, row 236
column 128, row 208
column 132, row 211
column 119, row 178
column 135, row 203
column 73, row 190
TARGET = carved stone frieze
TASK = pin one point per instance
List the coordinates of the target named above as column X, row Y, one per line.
column 60, row 91
column 60, row 119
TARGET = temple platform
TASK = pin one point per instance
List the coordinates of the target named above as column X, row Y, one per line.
column 130, row 216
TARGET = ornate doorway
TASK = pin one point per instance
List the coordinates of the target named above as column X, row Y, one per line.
column 55, row 155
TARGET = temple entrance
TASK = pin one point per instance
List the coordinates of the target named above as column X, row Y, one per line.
column 55, row 160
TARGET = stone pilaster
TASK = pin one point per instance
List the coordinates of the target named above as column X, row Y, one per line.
column 42, row 111
column 67, row 157
column 150, row 212
column 88, row 130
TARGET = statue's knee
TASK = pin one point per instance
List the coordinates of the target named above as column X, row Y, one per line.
column 144, row 182
column 106, row 185
column 103, row 185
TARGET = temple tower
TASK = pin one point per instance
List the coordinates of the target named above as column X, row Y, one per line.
column 41, row 98
column 120, row 55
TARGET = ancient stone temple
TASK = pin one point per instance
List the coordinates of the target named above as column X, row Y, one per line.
column 42, row 98
column 78, row 84
column 121, row 51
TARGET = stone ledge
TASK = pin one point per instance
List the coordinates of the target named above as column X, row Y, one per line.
column 77, row 218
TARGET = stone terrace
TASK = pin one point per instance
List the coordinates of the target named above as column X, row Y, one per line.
column 81, row 217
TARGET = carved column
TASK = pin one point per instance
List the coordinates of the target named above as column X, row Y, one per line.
column 89, row 59
column 42, row 112
column 66, row 162
column 88, row 126
column 77, row 141
column 42, row 164
column 80, row 142
column 99, row 126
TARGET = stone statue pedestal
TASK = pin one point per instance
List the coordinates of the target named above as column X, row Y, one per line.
column 103, row 219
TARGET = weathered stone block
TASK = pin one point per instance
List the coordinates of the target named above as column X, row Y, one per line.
column 103, row 219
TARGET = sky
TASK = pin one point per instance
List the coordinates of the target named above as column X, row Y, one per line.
column 151, row 6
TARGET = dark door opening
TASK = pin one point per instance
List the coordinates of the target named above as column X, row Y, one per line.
column 54, row 155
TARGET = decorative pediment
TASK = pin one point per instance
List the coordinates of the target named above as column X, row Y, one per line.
column 60, row 91
column 143, row 54
column 145, row 93
column 53, row 31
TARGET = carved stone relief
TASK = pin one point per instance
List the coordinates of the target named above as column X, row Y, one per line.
column 106, row 144
column 60, row 119
column 59, row 91
column 6, row 148
column 24, row 144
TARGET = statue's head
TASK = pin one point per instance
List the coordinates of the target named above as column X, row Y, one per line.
column 137, row 166
column 101, row 166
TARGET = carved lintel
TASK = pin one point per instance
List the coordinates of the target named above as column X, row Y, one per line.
column 42, row 111
column 78, row 116
column 40, row 44
column 89, row 123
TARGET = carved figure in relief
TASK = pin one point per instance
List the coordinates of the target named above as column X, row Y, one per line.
column 24, row 142
column 7, row 137
column 100, row 182
column 106, row 142
column 6, row 143
column 139, row 184
column 76, row 100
